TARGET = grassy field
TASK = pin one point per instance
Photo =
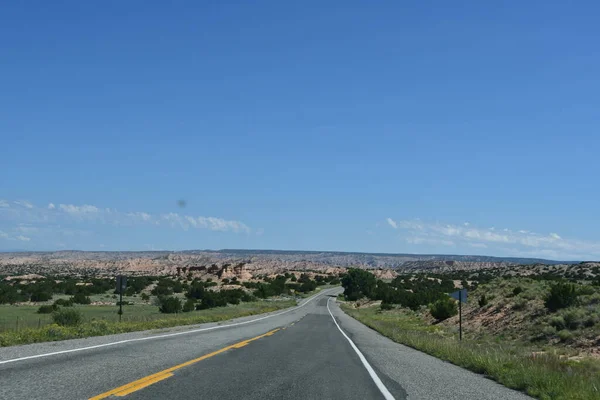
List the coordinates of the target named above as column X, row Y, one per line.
column 15, row 317
column 103, row 320
column 545, row 376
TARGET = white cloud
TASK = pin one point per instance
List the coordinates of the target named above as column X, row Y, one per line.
column 426, row 240
column 392, row 223
column 48, row 224
column 78, row 210
column 136, row 215
column 4, row 204
column 23, row 203
column 478, row 245
column 27, row 229
column 522, row 241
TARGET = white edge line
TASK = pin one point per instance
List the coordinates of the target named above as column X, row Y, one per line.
column 386, row 393
column 162, row 336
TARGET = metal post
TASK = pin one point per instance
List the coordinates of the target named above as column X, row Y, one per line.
column 460, row 315
column 120, row 304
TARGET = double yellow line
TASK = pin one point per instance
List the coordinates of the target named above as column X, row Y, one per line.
column 167, row 373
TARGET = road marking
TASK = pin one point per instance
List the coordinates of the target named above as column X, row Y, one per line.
column 165, row 335
column 386, row 393
column 167, row 373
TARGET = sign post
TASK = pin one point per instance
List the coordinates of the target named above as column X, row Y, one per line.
column 461, row 296
column 121, row 286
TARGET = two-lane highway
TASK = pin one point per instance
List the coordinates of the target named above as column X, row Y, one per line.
column 313, row 351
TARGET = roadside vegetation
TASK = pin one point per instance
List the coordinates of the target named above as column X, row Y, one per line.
column 539, row 334
column 58, row 308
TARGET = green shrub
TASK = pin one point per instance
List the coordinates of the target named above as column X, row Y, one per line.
column 170, row 305
column 590, row 321
column 483, row 301
column 189, row 305
column 548, row 331
column 561, row 295
column 520, row 304
column 517, row 290
column 586, row 290
column 565, row 335
column 558, row 322
column 81, row 298
column 443, row 309
column 47, row 309
column 386, row 306
column 64, row 302
column 248, row 297
column 145, row 297
column 574, row 319
column 67, row 317
column 40, row 296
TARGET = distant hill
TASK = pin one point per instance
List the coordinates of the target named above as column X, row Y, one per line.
column 258, row 261
column 397, row 259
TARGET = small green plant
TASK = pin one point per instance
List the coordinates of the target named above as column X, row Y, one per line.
column 443, row 309
column 517, row 290
column 170, row 305
column 386, row 306
column 64, row 302
column 189, row 305
column 47, row 309
column 145, row 297
column 520, row 304
column 574, row 319
column 548, row 331
column 67, row 317
column 81, row 298
column 40, row 296
column 558, row 322
column 483, row 301
column 561, row 295
column 565, row 335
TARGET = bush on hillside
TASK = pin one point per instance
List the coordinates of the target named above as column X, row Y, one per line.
column 558, row 322
column 483, row 301
column 517, row 290
column 358, row 283
column 574, row 319
column 170, row 305
column 40, row 296
column 443, row 309
column 64, row 302
column 67, row 317
column 81, row 298
column 561, row 295
column 189, row 305
column 520, row 304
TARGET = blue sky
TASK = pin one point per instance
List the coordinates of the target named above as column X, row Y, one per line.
column 420, row 127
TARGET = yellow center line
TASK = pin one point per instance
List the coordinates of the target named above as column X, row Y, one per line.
column 164, row 374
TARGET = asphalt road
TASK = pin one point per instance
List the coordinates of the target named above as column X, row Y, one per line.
column 302, row 353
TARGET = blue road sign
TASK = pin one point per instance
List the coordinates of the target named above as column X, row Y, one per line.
column 461, row 295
